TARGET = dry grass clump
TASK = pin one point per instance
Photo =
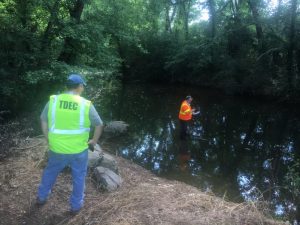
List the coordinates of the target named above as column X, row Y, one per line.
column 142, row 199
column 11, row 134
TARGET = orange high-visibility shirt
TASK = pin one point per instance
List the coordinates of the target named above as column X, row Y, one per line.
column 185, row 112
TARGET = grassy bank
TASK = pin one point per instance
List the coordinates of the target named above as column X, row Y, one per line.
column 142, row 199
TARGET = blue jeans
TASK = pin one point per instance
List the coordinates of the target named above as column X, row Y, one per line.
column 56, row 163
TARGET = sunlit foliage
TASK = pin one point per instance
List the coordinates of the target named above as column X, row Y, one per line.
column 248, row 47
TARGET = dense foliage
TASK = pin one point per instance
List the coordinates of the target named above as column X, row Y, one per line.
column 248, row 46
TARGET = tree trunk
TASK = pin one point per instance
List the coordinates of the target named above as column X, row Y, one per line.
column 68, row 54
column 122, row 57
column 291, row 47
column 76, row 11
column 46, row 41
column 168, row 21
column 212, row 13
column 258, row 27
column 186, row 11
column 22, row 10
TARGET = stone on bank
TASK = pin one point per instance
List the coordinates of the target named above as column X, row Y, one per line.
column 104, row 168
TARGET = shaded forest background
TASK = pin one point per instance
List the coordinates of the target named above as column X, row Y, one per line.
column 241, row 46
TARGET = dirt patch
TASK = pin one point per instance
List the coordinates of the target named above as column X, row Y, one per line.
column 142, row 199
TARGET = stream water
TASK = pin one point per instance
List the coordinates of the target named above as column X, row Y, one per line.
column 241, row 149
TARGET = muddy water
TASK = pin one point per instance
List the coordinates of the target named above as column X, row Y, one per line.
column 241, row 149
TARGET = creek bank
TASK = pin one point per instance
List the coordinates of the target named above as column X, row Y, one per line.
column 143, row 198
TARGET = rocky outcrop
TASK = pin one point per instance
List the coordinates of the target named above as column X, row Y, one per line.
column 104, row 168
column 95, row 156
column 107, row 178
column 116, row 127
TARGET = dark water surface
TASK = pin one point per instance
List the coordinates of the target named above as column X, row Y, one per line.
column 240, row 148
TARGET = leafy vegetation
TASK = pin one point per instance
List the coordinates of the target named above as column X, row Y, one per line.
column 292, row 179
column 246, row 47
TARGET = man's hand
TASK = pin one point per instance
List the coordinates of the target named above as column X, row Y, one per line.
column 94, row 140
column 196, row 113
column 92, row 144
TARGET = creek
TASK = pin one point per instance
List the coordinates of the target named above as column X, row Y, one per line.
column 239, row 148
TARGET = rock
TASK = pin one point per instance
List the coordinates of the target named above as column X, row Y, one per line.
column 95, row 157
column 116, row 127
column 107, row 178
column 108, row 161
column 98, row 149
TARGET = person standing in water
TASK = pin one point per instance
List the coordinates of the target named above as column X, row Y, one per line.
column 185, row 116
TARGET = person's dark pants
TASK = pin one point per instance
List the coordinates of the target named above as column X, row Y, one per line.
column 183, row 129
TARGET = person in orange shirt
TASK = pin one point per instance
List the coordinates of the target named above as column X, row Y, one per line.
column 185, row 116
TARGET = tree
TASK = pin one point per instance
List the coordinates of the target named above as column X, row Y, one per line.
column 291, row 47
column 69, row 52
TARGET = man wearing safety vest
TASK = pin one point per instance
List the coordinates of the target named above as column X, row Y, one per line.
column 66, row 121
column 185, row 116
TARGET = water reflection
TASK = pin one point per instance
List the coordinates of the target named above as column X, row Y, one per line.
column 238, row 147
column 184, row 156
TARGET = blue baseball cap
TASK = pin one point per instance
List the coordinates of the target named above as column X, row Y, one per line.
column 75, row 79
column 188, row 97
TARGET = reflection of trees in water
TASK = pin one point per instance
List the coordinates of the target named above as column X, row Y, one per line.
column 257, row 144
column 242, row 149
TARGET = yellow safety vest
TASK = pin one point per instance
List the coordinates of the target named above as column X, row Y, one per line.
column 69, row 123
